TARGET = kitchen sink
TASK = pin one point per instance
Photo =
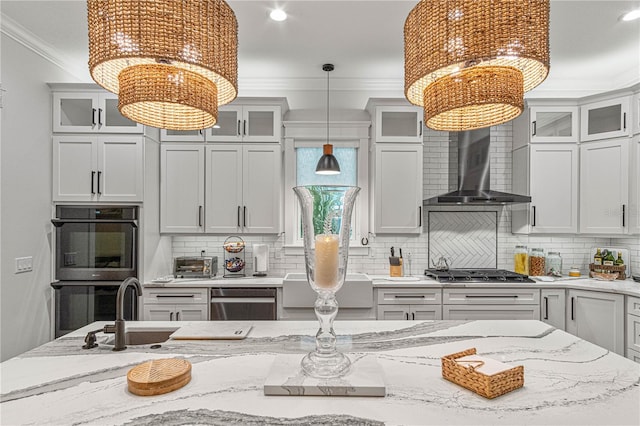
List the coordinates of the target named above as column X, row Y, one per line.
column 147, row 336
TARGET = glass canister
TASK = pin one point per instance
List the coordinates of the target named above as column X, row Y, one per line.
column 553, row 264
column 536, row 262
column 521, row 260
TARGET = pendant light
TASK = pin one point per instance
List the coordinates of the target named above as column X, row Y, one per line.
column 469, row 62
column 328, row 164
column 171, row 63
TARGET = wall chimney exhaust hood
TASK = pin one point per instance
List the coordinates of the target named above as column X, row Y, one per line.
column 472, row 169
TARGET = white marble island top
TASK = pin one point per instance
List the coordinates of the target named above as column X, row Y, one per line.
column 567, row 380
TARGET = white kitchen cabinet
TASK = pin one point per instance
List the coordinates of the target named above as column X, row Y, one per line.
column 597, row 317
column 106, row 168
column 243, row 188
column 167, row 135
column 549, row 174
column 397, row 124
column 398, row 188
column 490, row 303
column 604, row 183
column 634, row 186
column 90, row 112
column 409, row 303
column 609, row 118
column 552, row 307
column 546, row 124
column 172, row 304
column 182, row 188
column 633, row 328
column 635, row 106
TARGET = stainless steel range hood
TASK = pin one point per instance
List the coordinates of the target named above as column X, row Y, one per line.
column 472, row 170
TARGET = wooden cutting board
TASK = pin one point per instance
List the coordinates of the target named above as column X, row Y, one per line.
column 159, row 376
column 212, row 330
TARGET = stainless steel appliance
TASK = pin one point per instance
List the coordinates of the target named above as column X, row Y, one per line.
column 477, row 275
column 78, row 303
column 195, row 267
column 96, row 243
column 243, row 304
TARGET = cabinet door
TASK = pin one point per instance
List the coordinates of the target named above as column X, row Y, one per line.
column 191, row 313
column 604, row 183
column 229, row 125
column 634, row 189
column 158, row 312
column 554, row 124
column 598, row 318
column 261, row 124
column 633, row 323
column 224, row 207
column 552, row 309
column 491, row 312
column 75, row 112
column 109, row 118
column 426, row 312
column 182, row 135
column 398, row 188
column 398, row 124
column 120, row 168
column 554, row 188
column 393, row 312
column 261, row 189
column 181, row 188
column 75, row 168
column 636, row 114
column 605, row 119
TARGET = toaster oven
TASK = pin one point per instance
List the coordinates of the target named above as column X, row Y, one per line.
column 195, row 267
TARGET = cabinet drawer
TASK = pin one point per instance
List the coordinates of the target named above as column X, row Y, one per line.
column 491, row 296
column 406, row 296
column 176, row 295
column 633, row 332
column 633, row 305
column 490, row 312
column 633, row 355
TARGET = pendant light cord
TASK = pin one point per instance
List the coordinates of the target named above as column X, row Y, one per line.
column 328, row 70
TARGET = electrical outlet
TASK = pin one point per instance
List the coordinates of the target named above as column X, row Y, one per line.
column 24, row 264
column 203, row 252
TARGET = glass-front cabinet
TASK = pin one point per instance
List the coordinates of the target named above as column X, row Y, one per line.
column 553, row 124
column 395, row 121
column 605, row 119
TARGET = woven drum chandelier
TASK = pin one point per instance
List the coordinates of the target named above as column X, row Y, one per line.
column 469, row 62
column 171, row 62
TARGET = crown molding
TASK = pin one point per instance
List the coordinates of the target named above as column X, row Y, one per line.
column 20, row 34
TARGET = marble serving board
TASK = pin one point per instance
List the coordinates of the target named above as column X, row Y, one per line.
column 286, row 378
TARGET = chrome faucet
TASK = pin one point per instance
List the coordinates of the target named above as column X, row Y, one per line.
column 120, row 337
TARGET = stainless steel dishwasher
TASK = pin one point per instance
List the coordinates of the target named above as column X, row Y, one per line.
column 243, row 304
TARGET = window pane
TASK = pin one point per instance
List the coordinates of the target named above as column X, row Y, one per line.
column 307, row 159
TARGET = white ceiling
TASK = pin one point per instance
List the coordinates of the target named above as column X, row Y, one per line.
column 592, row 51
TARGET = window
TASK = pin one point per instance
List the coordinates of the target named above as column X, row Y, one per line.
column 301, row 158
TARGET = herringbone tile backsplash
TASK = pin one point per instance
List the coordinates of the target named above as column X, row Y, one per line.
column 467, row 239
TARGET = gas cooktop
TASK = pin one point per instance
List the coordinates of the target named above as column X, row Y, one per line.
column 477, row 276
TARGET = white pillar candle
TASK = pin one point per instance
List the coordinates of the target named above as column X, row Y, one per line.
column 326, row 261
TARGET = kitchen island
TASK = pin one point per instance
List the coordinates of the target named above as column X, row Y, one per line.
column 567, row 380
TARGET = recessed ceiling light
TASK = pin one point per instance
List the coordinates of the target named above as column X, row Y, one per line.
column 630, row 16
column 278, row 15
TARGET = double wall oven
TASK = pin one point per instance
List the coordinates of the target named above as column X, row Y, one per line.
column 96, row 248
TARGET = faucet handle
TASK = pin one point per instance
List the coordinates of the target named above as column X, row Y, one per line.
column 109, row 329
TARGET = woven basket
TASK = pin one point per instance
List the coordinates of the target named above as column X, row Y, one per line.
column 609, row 269
column 487, row 386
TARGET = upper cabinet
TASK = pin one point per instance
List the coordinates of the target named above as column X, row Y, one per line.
column 245, row 120
column 636, row 113
column 634, row 189
column 90, row 112
column 605, row 119
column 547, row 122
column 395, row 121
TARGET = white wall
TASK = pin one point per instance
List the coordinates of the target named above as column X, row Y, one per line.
column 25, row 178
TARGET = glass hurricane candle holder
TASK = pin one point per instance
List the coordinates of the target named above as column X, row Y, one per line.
column 326, row 228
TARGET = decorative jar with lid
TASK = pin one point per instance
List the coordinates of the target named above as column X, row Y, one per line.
column 536, row 262
column 553, row 264
column 521, row 260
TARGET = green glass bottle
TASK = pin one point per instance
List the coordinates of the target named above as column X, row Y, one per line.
column 619, row 261
column 608, row 258
column 597, row 259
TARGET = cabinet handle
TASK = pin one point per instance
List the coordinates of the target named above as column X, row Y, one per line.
column 546, row 307
column 244, row 216
column 159, row 296
column 93, row 116
column 413, row 316
column 409, row 296
column 238, row 127
column 534, row 128
column 177, row 316
column 170, row 316
column 238, row 216
column 406, row 315
column 534, row 216
column 199, row 215
column 420, row 127
column 99, row 174
column 100, row 116
column 93, row 176
column 244, row 127
column 573, row 317
column 623, row 214
column 419, row 216
column 490, row 296
column 624, row 121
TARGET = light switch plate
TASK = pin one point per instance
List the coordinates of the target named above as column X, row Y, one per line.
column 24, row 264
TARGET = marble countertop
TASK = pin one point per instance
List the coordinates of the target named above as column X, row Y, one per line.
column 628, row 286
column 567, row 380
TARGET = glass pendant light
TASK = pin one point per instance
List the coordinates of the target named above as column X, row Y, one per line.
column 328, row 164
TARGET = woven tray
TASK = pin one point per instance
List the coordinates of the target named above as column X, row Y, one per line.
column 609, row 269
column 159, row 376
column 487, row 386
